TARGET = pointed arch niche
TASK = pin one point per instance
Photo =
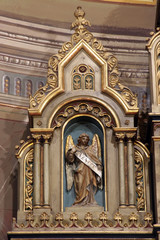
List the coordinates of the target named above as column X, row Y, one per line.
column 75, row 126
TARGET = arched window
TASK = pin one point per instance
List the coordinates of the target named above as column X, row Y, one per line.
column 6, row 84
column 28, row 88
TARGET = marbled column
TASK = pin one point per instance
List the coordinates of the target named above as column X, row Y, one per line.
column 122, row 193
column 46, row 184
column 131, row 169
column 37, row 174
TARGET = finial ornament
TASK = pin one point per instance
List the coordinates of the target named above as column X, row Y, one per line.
column 80, row 31
column 79, row 12
column 80, row 21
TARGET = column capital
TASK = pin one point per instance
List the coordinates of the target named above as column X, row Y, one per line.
column 128, row 133
column 46, row 137
column 36, row 137
column 45, row 133
column 131, row 135
column 120, row 136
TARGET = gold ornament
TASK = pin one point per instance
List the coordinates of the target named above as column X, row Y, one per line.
column 139, row 181
column 29, row 180
column 81, row 33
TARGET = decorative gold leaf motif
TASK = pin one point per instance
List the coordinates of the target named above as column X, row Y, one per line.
column 28, row 180
column 52, row 79
column 118, row 217
column 76, row 82
column 148, row 217
column 133, row 217
column 127, row 94
column 43, row 221
column 103, row 218
column 88, row 218
column 89, row 82
column 83, row 107
column 59, row 220
column 120, row 135
column 30, row 220
column 74, row 219
column 118, row 220
column 30, row 217
column 130, row 135
column 80, row 31
column 44, row 217
column 139, row 181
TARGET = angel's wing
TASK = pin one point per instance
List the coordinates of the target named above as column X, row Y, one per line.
column 96, row 146
column 69, row 144
column 69, row 167
column 70, row 175
column 95, row 150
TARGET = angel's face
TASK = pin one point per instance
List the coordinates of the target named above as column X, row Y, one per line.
column 84, row 140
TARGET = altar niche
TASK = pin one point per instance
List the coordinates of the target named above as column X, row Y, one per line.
column 74, row 128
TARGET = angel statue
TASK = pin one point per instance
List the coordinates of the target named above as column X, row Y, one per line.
column 84, row 168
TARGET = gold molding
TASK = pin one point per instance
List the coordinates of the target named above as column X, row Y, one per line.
column 156, row 138
column 125, row 130
column 130, row 2
column 84, row 98
column 104, row 160
column 41, row 130
column 22, row 149
column 154, row 114
column 38, row 111
column 156, row 121
column 81, row 232
column 153, row 39
column 143, row 147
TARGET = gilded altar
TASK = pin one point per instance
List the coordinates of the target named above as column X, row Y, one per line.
column 83, row 94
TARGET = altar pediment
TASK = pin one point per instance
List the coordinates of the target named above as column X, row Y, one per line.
column 83, row 50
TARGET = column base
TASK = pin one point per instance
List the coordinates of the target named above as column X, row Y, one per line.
column 127, row 209
column 37, row 206
column 131, row 206
column 46, row 206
